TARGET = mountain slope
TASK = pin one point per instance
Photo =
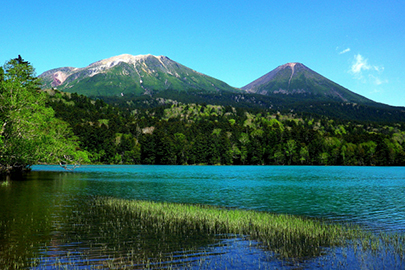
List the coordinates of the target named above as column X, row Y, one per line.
column 128, row 74
column 295, row 79
column 125, row 79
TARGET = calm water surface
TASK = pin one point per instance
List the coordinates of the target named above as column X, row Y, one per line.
column 45, row 206
column 374, row 196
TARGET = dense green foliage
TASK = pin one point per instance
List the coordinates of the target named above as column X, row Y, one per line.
column 285, row 104
column 36, row 127
column 177, row 133
column 29, row 132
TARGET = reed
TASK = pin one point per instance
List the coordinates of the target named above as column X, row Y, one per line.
column 289, row 236
column 124, row 234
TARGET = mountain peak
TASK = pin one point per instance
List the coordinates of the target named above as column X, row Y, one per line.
column 130, row 74
column 298, row 80
column 288, row 68
column 127, row 58
column 291, row 65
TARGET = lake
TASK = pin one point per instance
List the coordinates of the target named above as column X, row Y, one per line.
column 49, row 218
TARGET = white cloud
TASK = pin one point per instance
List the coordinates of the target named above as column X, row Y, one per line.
column 345, row 51
column 377, row 80
column 379, row 69
column 359, row 64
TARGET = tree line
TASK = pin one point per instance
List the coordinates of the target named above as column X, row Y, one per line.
column 52, row 127
column 177, row 133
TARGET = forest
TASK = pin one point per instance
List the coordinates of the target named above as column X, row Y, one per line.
column 177, row 134
column 52, row 127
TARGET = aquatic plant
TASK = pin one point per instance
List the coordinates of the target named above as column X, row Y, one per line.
column 289, row 236
column 110, row 233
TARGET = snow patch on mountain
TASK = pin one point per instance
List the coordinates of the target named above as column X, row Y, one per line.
column 127, row 58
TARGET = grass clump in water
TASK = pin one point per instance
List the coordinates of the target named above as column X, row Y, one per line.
column 289, row 236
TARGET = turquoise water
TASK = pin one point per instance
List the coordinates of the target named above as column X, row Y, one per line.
column 374, row 196
column 40, row 217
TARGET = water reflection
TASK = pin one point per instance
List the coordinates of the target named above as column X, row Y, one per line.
column 49, row 216
column 373, row 196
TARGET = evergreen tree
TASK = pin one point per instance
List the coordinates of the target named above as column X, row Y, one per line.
column 29, row 132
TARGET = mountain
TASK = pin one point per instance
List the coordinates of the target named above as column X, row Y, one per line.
column 295, row 79
column 148, row 81
column 133, row 75
column 296, row 88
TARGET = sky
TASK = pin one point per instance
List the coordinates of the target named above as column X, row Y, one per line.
column 357, row 44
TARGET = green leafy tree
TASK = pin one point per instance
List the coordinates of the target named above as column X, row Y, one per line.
column 304, row 155
column 148, row 149
column 181, row 146
column 30, row 133
column 244, row 141
column 289, row 148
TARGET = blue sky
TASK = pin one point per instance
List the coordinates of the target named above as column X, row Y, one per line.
column 358, row 44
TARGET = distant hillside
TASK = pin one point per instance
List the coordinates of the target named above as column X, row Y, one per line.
column 295, row 79
column 145, row 81
column 177, row 133
column 296, row 88
column 128, row 74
